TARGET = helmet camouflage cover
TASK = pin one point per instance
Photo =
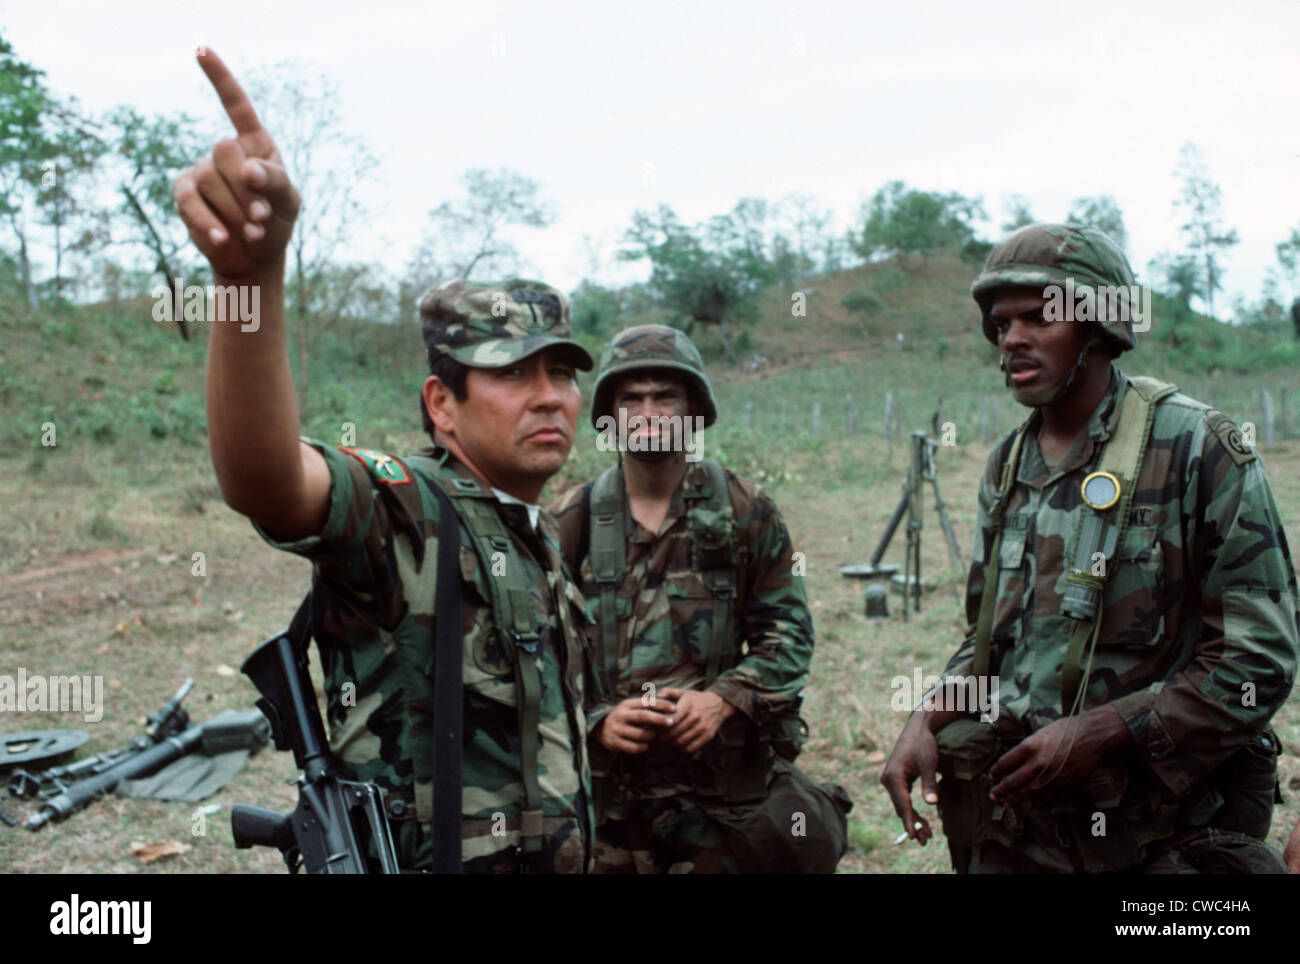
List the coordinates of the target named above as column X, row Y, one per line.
column 494, row 324
column 1039, row 255
column 651, row 346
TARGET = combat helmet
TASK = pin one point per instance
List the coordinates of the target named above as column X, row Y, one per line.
column 1048, row 254
column 650, row 346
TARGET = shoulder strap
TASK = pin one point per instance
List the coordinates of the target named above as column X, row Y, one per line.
column 992, row 565
column 448, row 695
column 1122, row 457
column 713, row 546
column 516, row 625
column 608, row 547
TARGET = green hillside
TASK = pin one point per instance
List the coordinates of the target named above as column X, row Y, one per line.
column 98, row 532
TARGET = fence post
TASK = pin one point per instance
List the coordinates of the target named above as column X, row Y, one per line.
column 816, row 418
column 1266, row 403
column 749, row 415
column 850, row 417
column 889, row 415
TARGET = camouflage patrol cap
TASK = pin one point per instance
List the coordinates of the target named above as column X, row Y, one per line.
column 650, row 346
column 491, row 325
column 1047, row 254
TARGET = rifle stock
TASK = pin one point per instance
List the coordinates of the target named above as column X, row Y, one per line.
column 328, row 831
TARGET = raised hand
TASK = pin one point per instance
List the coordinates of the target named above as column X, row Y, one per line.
column 238, row 204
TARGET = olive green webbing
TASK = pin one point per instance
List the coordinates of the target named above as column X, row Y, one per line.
column 608, row 557
column 721, row 579
column 1122, row 457
column 516, row 625
column 984, row 623
column 608, row 553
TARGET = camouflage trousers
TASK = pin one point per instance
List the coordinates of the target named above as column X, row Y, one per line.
column 662, row 835
column 1206, row 850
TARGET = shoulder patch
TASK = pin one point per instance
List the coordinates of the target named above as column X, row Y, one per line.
column 1230, row 435
column 382, row 468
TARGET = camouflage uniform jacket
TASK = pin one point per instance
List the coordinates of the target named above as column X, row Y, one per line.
column 374, row 573
column 665, row 633
column 1202, row 599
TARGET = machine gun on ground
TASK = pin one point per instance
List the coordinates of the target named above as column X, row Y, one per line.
column 68, row 788
column 171, row 720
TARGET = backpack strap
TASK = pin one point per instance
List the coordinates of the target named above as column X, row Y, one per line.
column 516, row 626
column 608, row 554
column 992, row 565
column 1122, row 457
column 714, row 556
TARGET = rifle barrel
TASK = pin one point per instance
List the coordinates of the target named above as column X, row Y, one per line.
column 76, row 796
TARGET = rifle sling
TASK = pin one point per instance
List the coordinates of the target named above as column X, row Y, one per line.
column 448, row 695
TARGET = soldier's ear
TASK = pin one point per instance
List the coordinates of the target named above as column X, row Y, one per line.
column 440, row 405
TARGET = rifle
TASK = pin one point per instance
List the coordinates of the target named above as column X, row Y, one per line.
column 328, row 831
column 228, row 730
column 171, row 720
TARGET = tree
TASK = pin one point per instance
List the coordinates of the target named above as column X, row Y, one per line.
column 65, row 196
column 152, row 152
column 1178, row 277
column 470, row 234
column 594, row 309
column 899, row 220
column 327, row 165
column 1207, row 237
column 1288, row 256
column 27, row 151
column 800, row 240
column 1018, row 213
column 710, row 274
column 1101, row 212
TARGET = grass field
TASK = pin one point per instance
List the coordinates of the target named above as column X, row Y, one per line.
column 98, row 536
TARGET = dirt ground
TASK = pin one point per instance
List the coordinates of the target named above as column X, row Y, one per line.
column 99, row 575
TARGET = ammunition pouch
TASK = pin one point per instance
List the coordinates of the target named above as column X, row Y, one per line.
column 786, row 735
column 1113, row 821
column 1209, row 850
column 1106, row 823
column 798, row 826
column 967, row 749
column 735, row 764
column 732, row 769
column 1247, row 783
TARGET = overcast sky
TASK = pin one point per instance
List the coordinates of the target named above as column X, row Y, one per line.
column 695, row 104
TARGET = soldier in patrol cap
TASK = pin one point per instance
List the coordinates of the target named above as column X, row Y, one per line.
column 501, row 407
column 1132, row 592
column 702, row 640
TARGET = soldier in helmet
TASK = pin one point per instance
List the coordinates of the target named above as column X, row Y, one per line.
column 702, row 639
column 501, row 406
column 1132, row 592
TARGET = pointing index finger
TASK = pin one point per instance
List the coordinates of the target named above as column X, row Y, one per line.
column 238, row 107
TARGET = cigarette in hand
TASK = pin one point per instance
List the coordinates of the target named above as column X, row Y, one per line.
column 903, row 836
